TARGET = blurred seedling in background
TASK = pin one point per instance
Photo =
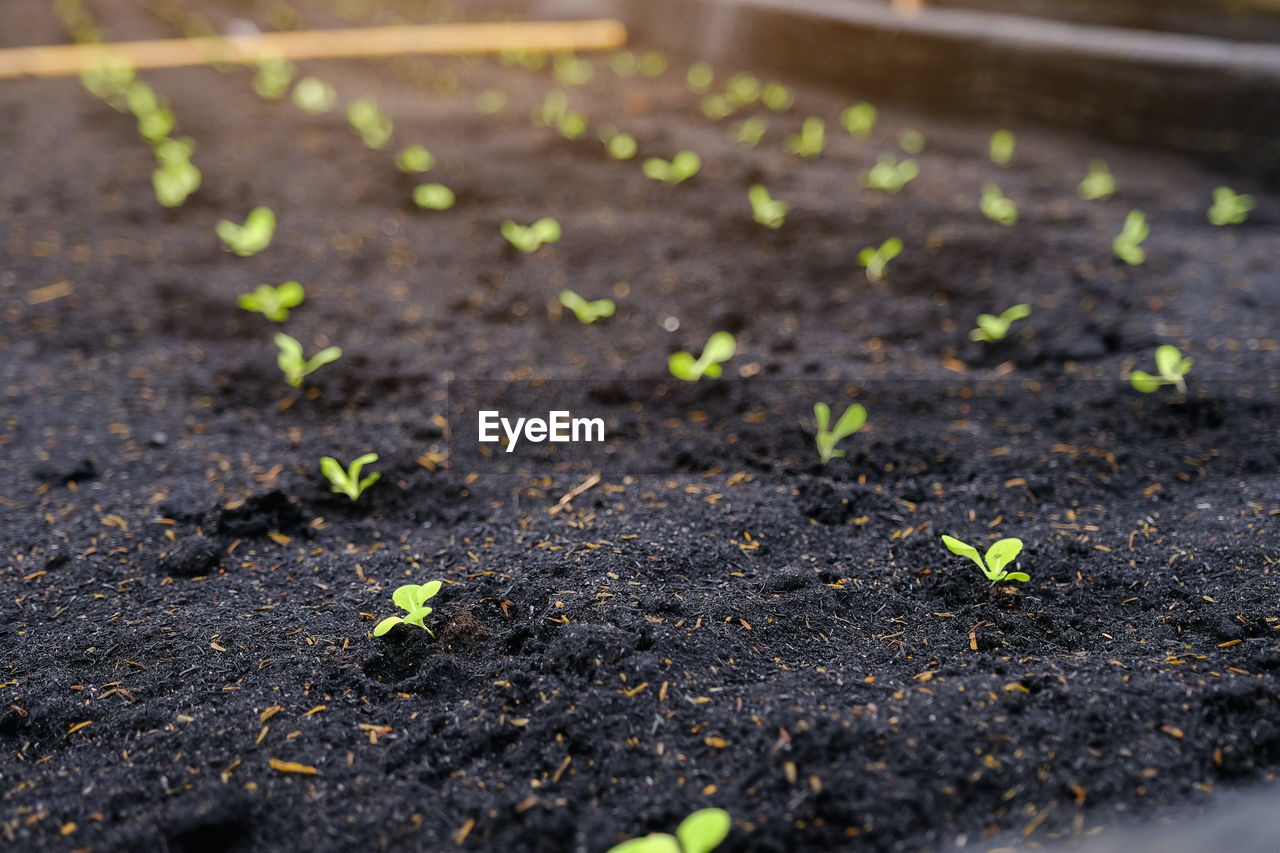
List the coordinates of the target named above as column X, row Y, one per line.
column 998, row 556
column 992, row 328
column 766, row 210
column 528, row 238
column 996, row 206
column 294, row 366
column 853, row 419
column 1126, row 244
column 587, row 311
column 177, row 177
column 653, row 63
column 859, row 120
column 875, row 259
column 554, row 112
column 1229, row 208
column 414, row 159
column 811, row 139
column 314, row 95
column 273, row 78
column 433, row 197
column 251, row 237
column 109, row 81
column 373, row 126
column 618, row 145
column 1171, row 369
column 750, row 131
column 777, row 97
column 273, row 302
column 1002, row 144
column 890, row 175
column 411, row 598
column 911, row 141
column 699, row 77
column 743, row 90
column 347, row 482
column 719, row 349
column 570, row 70
column 700, row 832
column 491, row 101
column 1098, row 183
column 680, row 168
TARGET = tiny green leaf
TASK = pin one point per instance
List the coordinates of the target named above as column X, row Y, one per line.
column 720, row 347
column 587, row 312
column 702, row 831
column 1002, row 143
column 251, row 237
column 347, row 482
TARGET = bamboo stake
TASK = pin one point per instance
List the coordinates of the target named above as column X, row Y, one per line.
column 66, row 60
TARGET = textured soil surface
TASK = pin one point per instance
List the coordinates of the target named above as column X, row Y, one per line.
column 718, row 619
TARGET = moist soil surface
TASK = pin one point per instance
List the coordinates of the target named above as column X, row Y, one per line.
column 186, row 609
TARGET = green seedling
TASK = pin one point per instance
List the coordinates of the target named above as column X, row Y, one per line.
column 572, row 125
column 491, row 101
column 681, row 167
column 372, row 125
column 587, row 312
column 1002, row 144
column 750, row 131
column 720, row 348
column 252, row 237
column 433, row 196
column 570, row 70
column 109, row 81
column 1098, row 183
column 911, row 141
column 777, row 97
column 1171, row 369
column 176, row 178
column 411, row 598
column 996, row 206
column 347, row 482
column 811, row 139
column 1229, row 208
column 700, row 832
column 699, row 77
column 875, row 260
column 743, row 90
column 414, row 160
column 273, row 302
column 766, row 210
column 156, row 125
column 716, row 107
column 294, row 366
column 273, row 78
column 1126, row 244
column 890, row 175
column 314, row 95
column 859, row 120
column 998, row 556
column 553, row 110
column 528, row 238
column 992, row 328
column 853, row 419
column 618, row 145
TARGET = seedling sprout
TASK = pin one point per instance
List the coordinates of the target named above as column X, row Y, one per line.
column 700, row 832
column 587, row 311
column 618, row 145
column 1171, row 369
column 911, row 141
column 998, row 556
column 720, row 348
column 1002, row 143
column 348, row 482
column 1098, row 183
column 810, row 141
column 273, row 302
column 859, row 120
column 743, row 90
column 777, row 97
column 996, row 206
column 273, row 78
column 1229, row 208
column 875, row 259
column 411, row 598
column 853, row 419
column 1126, row 244
column 373, row 126
column 699, row 77
column 414, row 159
column 314, row 95
column 992, row 328
column 890, row 175
column 750, row 131
column 766, row 210
column 433, row 196
column 252, row 237
column 528, row 238
column 294, row 366
column 681, row 167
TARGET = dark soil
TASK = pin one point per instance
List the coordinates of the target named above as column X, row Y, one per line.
column 720, row 620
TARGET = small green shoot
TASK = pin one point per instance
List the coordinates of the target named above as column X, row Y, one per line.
column 875, row 260
column 618, row 145
column 1171, row 369
column 859, row 120
column 811, row 139
column 347, row 482
column 252, row 237
column 1002, row 144
column 528, row 238
column 414, row 160
column 586, row 311
column 743, row 90
column 766, row 210
column 572, row 71
column 273, row 302
column 294, row 366
column 411, row 598
column 777, row 97
column 1126, row 244
column 681, row 167
column 372, row 125
column 716, row 107
column 853, row 419
column 996, row 206
column 992, row 328
column 700, row 832
column 314, row 95
column 720, row 348
column 750, row 131
column 1098, row 183
column 273, row 78
column 177, row 177
column 998, row 556
column 911, row 141
column 699, row 77
column 1229, row 208
column 890, row 175
column 433, row 196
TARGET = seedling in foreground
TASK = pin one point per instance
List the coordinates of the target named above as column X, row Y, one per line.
column 273, row 302
column 1002, row 142
column 859, row 120
column 700, row 832
column 1126, row 244
column 766, row 210
column 414, row 159
column 996, row 206
column 889, row 175
column 294, row 366
column 528, row 238
column 720, row 348
column 587, row 312
column 682, row 167
column 412, row 599
column 998, row 556
column 853, row 419
column 373, row 125
column 875, row 260
column 992, row 328
column 433, row 196
column 252, row 237
column 1229, row 208
column 1171, row 368
column 811, row 139
column 1098, row 183
column 348, row 482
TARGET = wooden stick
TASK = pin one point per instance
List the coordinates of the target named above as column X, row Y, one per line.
column 66, row 60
